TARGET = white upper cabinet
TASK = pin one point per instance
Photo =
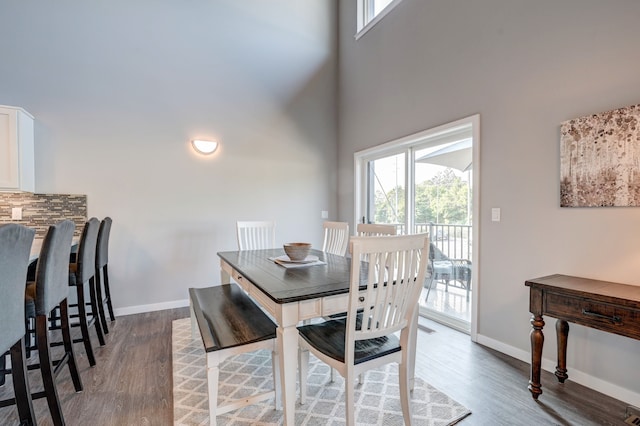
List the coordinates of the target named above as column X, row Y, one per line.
column 17, row 164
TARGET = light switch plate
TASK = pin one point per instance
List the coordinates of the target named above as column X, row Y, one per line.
column 324, row 214
column 16, row 213
column 495, row 214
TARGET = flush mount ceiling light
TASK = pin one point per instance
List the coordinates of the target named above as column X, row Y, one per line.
column 204, row 147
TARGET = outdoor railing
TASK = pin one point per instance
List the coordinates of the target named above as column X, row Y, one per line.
column 453, row 240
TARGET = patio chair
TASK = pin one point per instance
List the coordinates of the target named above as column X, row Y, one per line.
column 455, row 272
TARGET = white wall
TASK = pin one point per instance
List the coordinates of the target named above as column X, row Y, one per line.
column 524, row 67
column 119, row 88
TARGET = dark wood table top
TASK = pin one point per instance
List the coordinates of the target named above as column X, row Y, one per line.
column 624, row 294
column 286, row 285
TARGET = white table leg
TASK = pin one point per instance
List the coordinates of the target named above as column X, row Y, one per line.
column 194, row 323
column 288, row 348
column 225, row 278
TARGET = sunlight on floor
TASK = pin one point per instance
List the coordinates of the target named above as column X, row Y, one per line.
column 447, row 303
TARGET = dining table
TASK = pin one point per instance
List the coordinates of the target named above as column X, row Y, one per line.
column 292, row 293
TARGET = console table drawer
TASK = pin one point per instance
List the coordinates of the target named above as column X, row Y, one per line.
column 591, row 313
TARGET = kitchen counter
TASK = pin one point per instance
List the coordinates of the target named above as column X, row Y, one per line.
column 37, row 245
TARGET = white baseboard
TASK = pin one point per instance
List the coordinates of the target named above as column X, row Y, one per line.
column 577, row 376
column 140, row 309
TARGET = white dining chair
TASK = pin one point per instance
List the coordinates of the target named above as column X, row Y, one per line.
column 369, row 230
column 367, row 337
column 375, row 229
column 336, row 237
column 256, row 235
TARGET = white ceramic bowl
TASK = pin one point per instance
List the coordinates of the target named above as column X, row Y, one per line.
column 297, row 251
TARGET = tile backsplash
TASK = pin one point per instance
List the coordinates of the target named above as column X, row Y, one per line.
column 41, row 210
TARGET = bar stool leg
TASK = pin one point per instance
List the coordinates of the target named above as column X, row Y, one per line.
column 82, row 317
column 21, row 384
column 93, row 298
column 3, row 365
column 100, row 298
column 68, row 345
column 46, row 368
column 107, row 292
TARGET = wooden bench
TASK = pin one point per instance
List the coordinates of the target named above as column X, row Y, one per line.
column 230, row 323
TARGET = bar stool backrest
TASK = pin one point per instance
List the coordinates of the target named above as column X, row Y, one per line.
column 15, row 246
column 102, row 250
column 87, row 251
column 52, row 273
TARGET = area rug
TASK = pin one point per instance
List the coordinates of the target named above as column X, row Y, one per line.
column 378, row 401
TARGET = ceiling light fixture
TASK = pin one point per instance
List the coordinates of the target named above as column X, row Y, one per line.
column 204, row 147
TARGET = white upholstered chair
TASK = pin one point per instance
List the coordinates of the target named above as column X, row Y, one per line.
column 367, row 337
column 255, row 235
column 336, row 237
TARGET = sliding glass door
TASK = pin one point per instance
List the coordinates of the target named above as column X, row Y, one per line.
column 424, row 184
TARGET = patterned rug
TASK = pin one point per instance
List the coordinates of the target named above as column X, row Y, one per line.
column 378, row 399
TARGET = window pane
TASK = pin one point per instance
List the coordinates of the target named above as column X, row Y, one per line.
column 379, row 5
column 442, row 197
column 386, row 194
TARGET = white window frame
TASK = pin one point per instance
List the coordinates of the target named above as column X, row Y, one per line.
column 367, row 19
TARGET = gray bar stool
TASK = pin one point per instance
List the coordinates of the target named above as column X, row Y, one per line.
column 15, row 246
column 102, row 273
column 49, row 292
column 82, row 273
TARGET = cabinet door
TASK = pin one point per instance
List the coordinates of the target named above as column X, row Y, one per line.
column 9, row 177
column 16, row 150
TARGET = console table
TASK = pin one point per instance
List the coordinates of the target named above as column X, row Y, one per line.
column 603, row 305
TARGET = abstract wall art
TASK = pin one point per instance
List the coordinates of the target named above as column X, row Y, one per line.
column 600, row 159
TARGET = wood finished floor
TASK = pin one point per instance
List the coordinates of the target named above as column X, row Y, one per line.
column 131, row 384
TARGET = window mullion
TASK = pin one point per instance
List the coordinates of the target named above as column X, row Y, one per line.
column 367, row 11
column 410, row 191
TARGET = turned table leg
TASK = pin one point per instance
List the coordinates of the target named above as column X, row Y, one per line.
column 562, row 334
column 537, row 340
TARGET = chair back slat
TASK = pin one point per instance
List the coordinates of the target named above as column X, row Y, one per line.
column 395, row 274
column 15, row 246
column 336, row 237
column 256, row 235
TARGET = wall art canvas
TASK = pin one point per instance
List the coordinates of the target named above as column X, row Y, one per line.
column 600, row 159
